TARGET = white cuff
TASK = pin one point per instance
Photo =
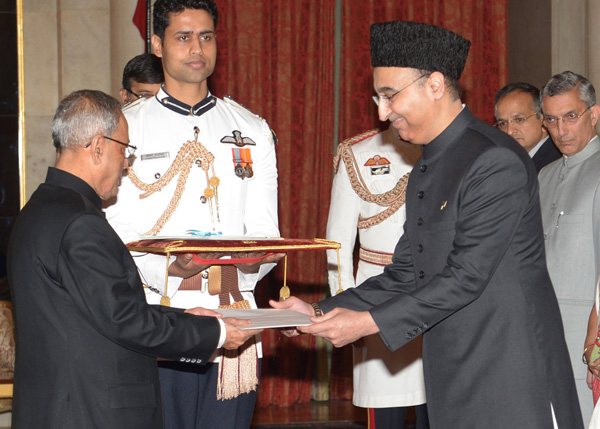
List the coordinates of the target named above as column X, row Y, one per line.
column 223, row 335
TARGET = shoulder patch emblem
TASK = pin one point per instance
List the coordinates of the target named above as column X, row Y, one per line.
column 377, row 160
column 379, row 165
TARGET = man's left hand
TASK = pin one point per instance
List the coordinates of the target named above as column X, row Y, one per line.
column 341, row 326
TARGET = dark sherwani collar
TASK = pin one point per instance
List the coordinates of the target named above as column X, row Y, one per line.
column 57, row 177
column 591, row 148
column 171, row 103
column 443, row 141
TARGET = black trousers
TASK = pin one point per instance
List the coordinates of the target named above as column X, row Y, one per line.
column 189, row 398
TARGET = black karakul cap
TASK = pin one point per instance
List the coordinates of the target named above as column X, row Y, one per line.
column 418, row 46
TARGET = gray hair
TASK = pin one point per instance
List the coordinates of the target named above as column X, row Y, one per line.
column 565, row 82
column 82, row 115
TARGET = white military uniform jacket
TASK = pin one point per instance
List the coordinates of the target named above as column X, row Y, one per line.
column 382, row 378
column 246, row 207
column 570, row 202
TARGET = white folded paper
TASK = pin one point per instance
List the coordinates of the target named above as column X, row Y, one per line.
column 263, row 318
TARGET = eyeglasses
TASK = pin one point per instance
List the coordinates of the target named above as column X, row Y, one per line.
column 129, row 148
column 138, row 95
column 569, row 119
column 389, row 98
column 519, row 120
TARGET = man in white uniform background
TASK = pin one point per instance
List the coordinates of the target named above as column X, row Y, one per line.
column 367, row 197
column 204, row 166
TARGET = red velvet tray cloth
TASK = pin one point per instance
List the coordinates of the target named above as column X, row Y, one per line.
column 175, row 245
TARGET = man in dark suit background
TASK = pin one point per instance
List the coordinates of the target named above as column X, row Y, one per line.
column 469, row 272
column 518, row 111
column 86, row 339
column 142, row 77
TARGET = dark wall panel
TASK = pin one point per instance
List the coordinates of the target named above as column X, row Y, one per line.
column 8, row 6
column 9, row 129
column 529, row 41
column 9, row 97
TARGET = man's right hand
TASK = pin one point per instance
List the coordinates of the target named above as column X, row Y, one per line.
column 236, row 337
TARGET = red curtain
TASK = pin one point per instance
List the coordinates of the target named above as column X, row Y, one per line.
column 482, row 22
column 140, row 19
column 277, row 57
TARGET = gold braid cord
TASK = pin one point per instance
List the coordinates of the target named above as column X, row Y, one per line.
column 190, row 153
column 348, row 143
column 392, row 199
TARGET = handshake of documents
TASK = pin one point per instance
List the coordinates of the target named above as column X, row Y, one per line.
column 263, row 318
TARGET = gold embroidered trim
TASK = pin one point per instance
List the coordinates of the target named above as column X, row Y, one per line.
column 176, row 246
column 392, row 199
column 374, row 257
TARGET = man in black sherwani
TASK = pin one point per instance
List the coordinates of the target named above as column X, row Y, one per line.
column 469, row 272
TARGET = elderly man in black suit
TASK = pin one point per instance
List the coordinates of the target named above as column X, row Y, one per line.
column 87, row 341
column 469, row 272
column 518, row 111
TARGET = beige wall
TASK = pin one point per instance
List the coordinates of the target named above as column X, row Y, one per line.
column 569, row 36
column 70, row 45
column 593, row 43
column 546, row 37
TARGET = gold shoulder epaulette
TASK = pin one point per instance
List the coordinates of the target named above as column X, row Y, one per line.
column 362, row 136
column 343, row 146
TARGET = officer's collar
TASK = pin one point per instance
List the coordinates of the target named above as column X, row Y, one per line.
column 180, row 107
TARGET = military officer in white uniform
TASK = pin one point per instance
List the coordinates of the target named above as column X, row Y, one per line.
column 241, row 206
column 367, row 198
column 203, row 166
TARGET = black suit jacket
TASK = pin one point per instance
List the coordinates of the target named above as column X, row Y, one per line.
column 469, row 273
column 86, row 339
column 547, row 153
